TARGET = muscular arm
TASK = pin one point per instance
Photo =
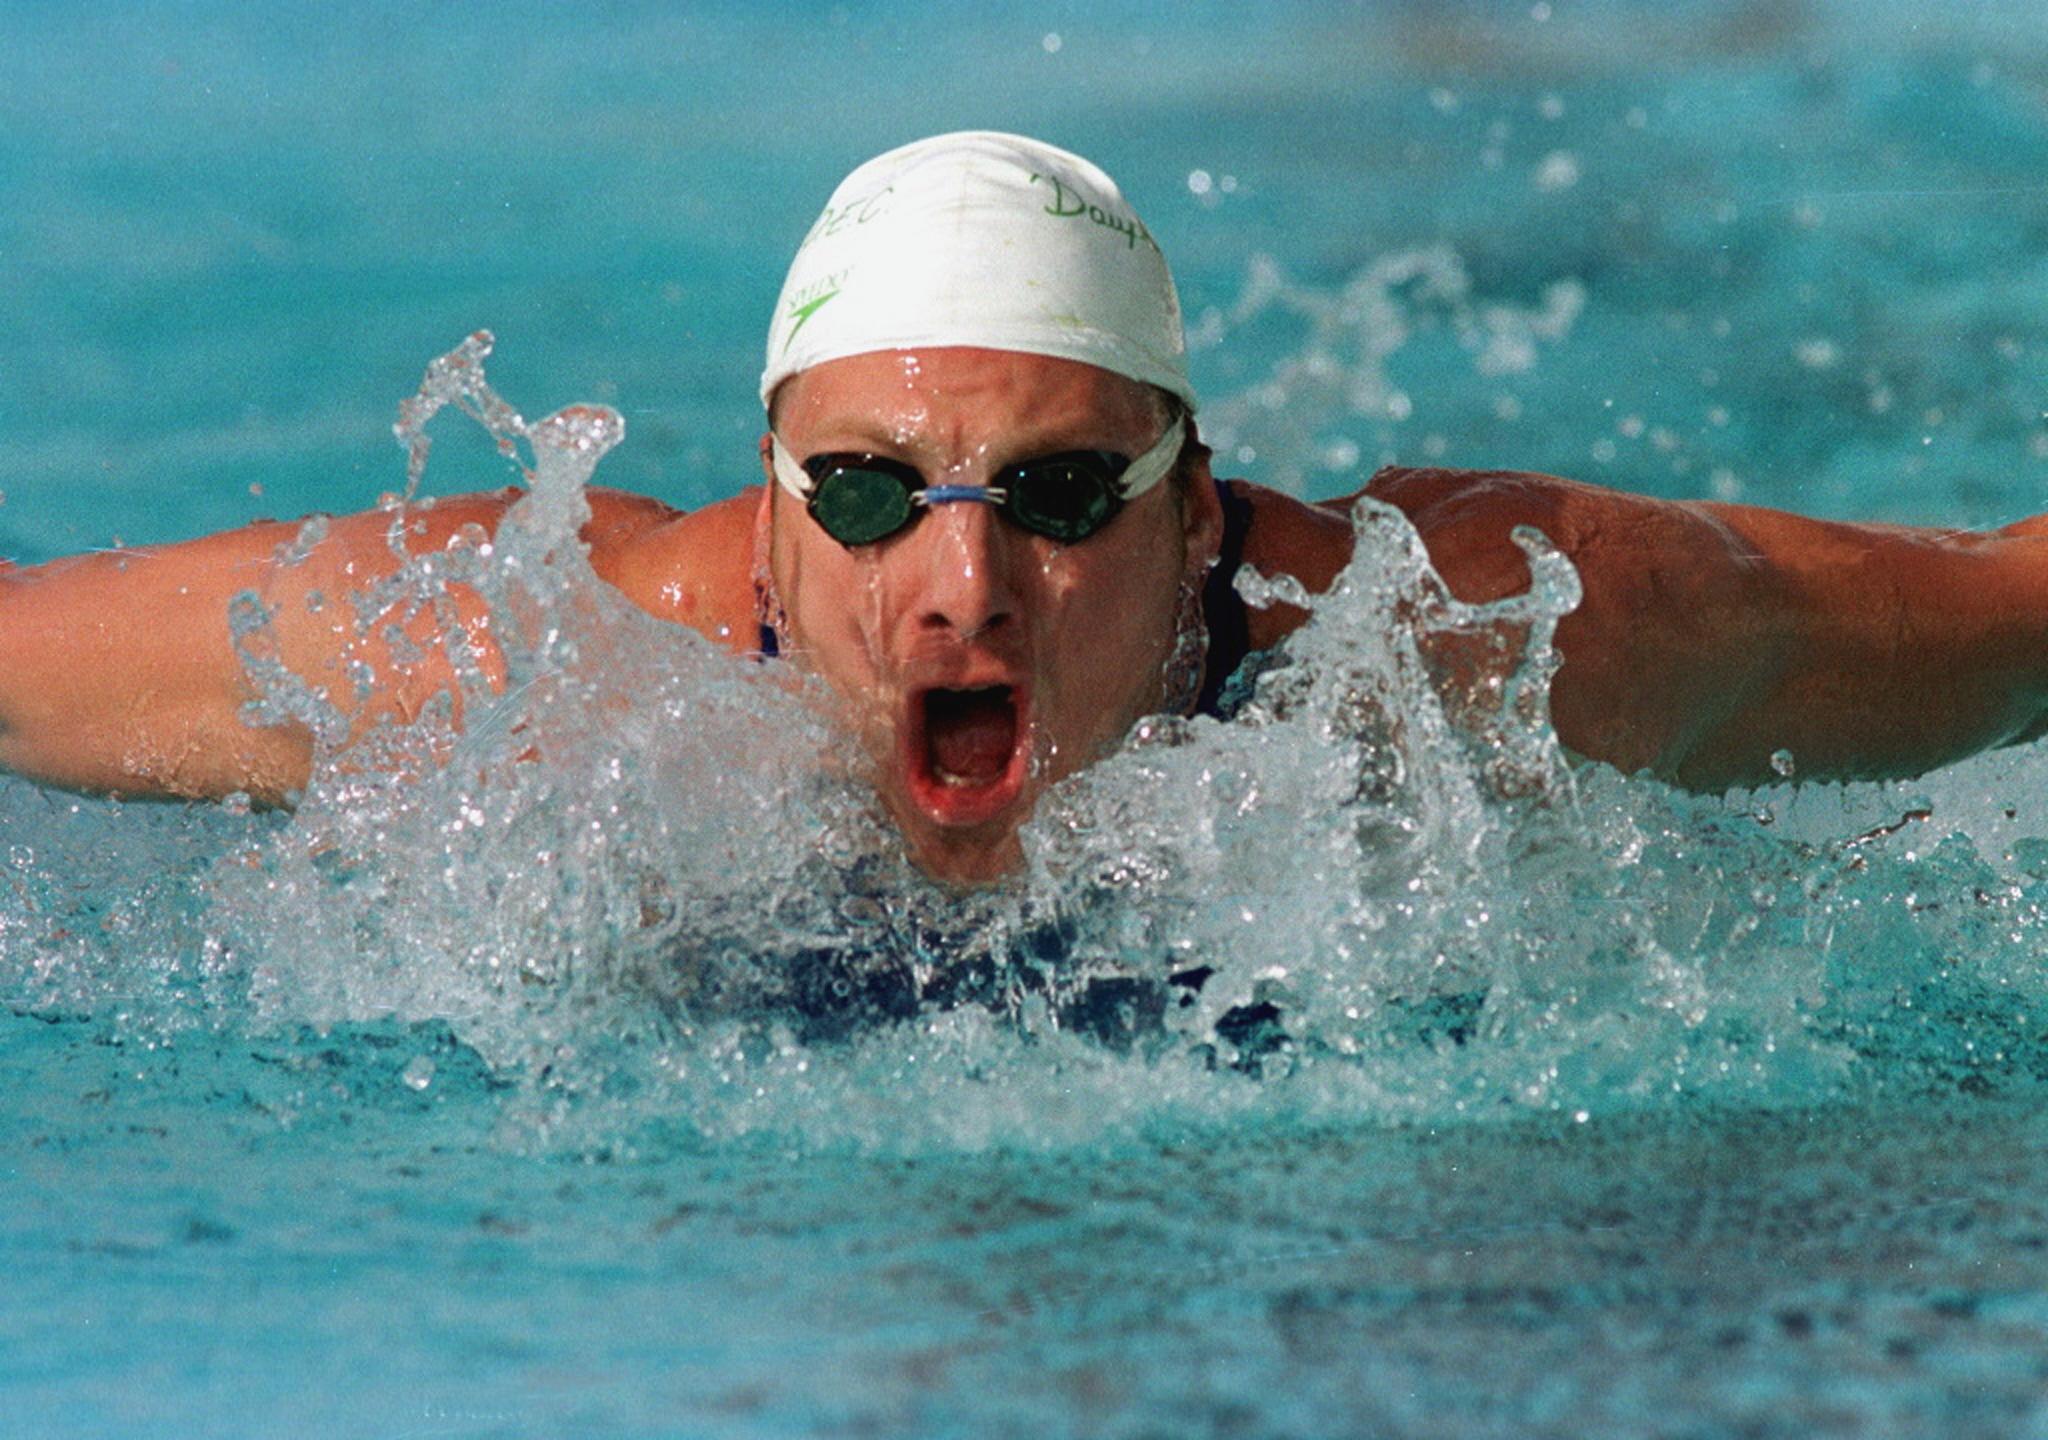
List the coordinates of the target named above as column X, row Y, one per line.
column 1713, row 635
column 118, row 672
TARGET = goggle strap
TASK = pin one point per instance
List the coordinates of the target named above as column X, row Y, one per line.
column 788, row 474
column 1155, row 464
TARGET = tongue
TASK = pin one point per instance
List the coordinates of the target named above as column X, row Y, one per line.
column 971, row 733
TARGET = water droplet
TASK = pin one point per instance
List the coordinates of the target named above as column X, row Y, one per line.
column 1781, row 763
column 1559, row 171
column 418, row 1073
column 1818, row 353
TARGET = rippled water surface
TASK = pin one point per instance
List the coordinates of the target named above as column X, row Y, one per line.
column 1349, row 1068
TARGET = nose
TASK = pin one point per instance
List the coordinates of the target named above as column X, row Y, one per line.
column 967, row 569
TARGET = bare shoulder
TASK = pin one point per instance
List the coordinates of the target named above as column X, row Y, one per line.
column 695, row 568
column 1466, row 519
column 1288, row 537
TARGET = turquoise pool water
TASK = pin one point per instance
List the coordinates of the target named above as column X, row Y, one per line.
column 455, row 1107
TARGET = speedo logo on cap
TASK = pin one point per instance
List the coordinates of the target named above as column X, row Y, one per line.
column 809, row 300
column 1069, row 204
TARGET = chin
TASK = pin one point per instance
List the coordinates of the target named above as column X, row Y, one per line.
column 967, row 861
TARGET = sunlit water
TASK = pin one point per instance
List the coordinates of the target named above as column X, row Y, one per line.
column 602, row 1068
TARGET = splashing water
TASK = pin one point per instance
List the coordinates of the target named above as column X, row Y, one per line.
column 541, row 874
column 641, row 884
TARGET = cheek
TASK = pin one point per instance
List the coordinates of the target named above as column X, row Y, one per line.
column 828, row 599
column 1115, row 634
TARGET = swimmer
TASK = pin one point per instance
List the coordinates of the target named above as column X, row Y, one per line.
column 986, row 518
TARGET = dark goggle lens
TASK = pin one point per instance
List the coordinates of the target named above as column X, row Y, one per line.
column 1065, row 497
column 860, row 504
column 859, row 500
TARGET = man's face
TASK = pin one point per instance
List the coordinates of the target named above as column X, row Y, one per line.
column 980, row 662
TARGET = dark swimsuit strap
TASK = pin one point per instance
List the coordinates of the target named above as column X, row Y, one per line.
column 1223, row 609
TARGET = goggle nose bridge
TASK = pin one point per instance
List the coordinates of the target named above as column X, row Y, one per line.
column 949, row 494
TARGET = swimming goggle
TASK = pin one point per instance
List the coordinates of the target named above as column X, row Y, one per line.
column 859, row 499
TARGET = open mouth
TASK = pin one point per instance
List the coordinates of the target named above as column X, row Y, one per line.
column 967, row 752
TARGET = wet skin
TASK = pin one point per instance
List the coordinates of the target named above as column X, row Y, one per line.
column 1072, row 640
column 1710, row 635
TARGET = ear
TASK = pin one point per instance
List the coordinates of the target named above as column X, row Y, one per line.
column 1201, row 509
column 764, row 511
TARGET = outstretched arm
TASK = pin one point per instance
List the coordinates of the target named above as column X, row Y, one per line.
column 119, row 674
column 1712, row 636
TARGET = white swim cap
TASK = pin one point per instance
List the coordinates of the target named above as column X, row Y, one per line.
column 981, row 239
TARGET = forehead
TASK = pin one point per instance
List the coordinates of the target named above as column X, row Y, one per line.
column 941, row 391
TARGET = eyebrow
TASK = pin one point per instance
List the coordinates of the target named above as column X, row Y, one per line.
column 873, row 439
column 869, row 436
